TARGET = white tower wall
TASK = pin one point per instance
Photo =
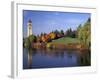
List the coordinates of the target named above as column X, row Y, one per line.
column 29, row 30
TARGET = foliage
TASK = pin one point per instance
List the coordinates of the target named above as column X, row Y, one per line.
column 28, row 41
column 52, row 35
column 62, row 32
column 84, row 33
column 32, row 38
column 43, row 38
column 71, row 33
column 56, row 32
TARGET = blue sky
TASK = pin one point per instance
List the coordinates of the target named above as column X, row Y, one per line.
column 47, row 21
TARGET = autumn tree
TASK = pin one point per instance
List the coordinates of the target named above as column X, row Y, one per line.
column 52, row 35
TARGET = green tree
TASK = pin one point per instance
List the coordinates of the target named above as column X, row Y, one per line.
column 74, row 34
column 32, row 38
column 69, row 32
column 62, row 32
column 56, row 32
column 78, row 28
column 84, row 33
column 27, row 43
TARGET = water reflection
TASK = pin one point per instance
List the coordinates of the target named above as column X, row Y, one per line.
column 30, row 58
column 84, row 58
column 51, row 58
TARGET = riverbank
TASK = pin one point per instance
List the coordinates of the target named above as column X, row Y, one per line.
column 74, row 46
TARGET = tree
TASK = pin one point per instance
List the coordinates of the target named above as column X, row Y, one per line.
column 78, row 28
column 32, row 38
column 29, row 40
column 27, row 43
column 69, row 32
column 62, row 32
column 52, row 35
column 74, row 34
column 84, row 33
column 43, row 38
column 57, row 33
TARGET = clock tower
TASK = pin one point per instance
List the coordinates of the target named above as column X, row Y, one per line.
column 29, row 30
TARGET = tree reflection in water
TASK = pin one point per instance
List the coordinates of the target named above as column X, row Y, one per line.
column 84, row 58
column 48, row 58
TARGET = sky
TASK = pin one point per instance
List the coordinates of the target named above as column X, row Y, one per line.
column 48, row 21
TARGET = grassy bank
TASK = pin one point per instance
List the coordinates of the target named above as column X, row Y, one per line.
column 66, row 43
column 65, row 40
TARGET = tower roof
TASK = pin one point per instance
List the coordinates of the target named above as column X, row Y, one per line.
column 30, row 21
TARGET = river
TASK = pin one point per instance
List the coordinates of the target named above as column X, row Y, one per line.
column 51, row 58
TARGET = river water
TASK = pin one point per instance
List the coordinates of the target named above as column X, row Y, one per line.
column 51, row 58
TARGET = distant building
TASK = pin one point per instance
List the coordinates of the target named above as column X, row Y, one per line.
column 29, row 28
